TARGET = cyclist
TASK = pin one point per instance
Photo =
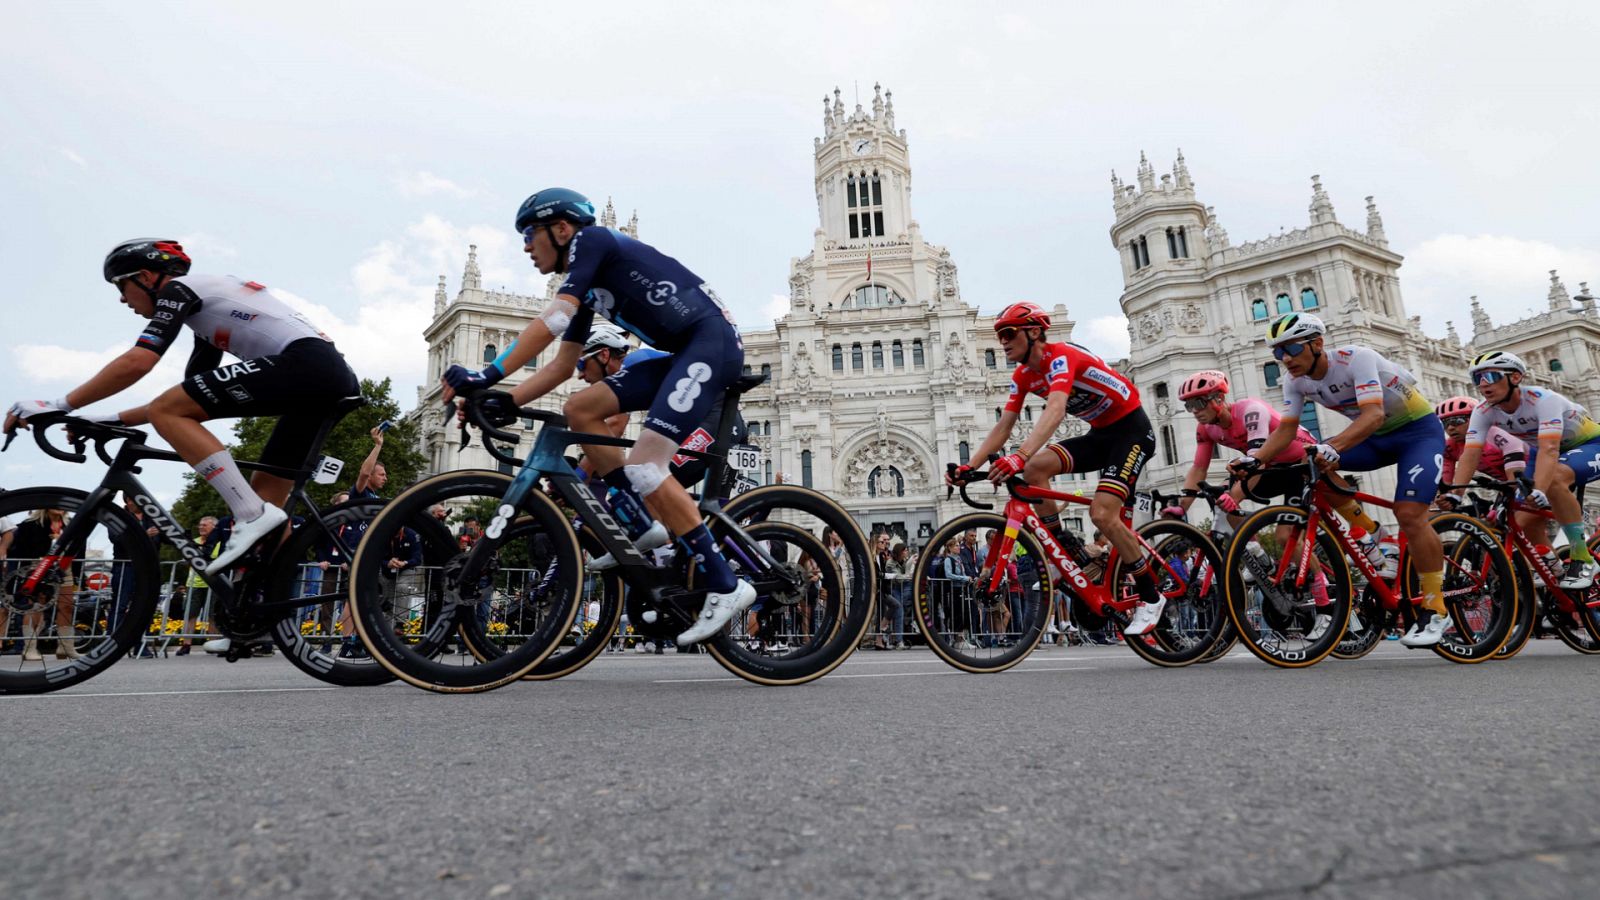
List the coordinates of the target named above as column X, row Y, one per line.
column 1502, row 457
column 1391, row 424
column 1563, row 448
column 654, row 297
column 607, row 356
column 1075, row 382
column 287, row 368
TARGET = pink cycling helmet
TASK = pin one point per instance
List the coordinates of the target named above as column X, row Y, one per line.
column 1200, row 384
column 1455, row 406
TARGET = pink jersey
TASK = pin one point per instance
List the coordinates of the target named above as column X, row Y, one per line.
column 1499, row 449
column 1252, row 421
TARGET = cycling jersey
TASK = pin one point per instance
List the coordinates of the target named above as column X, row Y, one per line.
column 646, row 370
column 1096, row 393
column 1499, row 449
column 1252, row 421
column 1356, row 377
column 226, row 314
column 1540, row 413
column 638, row 287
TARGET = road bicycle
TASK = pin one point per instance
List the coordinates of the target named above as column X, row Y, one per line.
column 1276, row 616
column 260, row 595
column 1221, row 534
column 772, row 536
column 994, row 621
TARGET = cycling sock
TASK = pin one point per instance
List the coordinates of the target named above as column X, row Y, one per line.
column 1352, row 512
column 1319, row 589
column 1144, row 578
column 1432, row 587
column 1053, row 522
column 223, row 474
column 626, row 504
column 1576, row 547
column 719, row 578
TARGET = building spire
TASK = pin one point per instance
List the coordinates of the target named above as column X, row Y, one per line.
column 1559, row 298
column 1116, row 190
column 1147, row 174
column 440, row 298
column 827, row 116
column 608, row 217
column 1480, row 321
column 633, row 225
column 838, row 106
column 1180, row 172
column 1216, row 235
column 1450, row 332
column 1321, row 206
column 877, row 102
column 888, row 110
column 472, row 279
column 1375, row 223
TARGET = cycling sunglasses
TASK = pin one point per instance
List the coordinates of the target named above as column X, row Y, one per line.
column 1453, row 421
column 1488, row 376
column 615, row 354
column 527, row 233
column 1284, row 351
column 1006, row 334
column 1195, row 404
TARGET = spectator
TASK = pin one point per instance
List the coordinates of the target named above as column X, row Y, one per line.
column 31, row 541
column 969, row 552
column 899, row 594
column 373, row 476
column 399, row 585
column 198, row 593
column 886, row 574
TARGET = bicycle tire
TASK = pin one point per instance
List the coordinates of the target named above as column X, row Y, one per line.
column 846, row 620
column 1266, row 647
column 1527, row 610
column 1374, row 620
column 943, row 618
column 1170, row 648
column 1462, row 568
column 132, row 548
column 414, row 665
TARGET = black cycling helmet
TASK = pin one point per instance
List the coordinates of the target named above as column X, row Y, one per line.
column 146, row 255
column 552, row 204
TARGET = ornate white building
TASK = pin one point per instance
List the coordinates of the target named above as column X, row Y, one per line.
column 1194, row 300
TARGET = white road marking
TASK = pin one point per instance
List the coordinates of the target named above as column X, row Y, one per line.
column 836, row 676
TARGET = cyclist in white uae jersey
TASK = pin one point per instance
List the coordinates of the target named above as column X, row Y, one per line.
column 1392, row 424
column 1563, row 448
column 287, row 368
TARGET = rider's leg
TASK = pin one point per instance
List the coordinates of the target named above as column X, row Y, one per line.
column 1427, row 553
column 1569, row 514
column 178, row 419
column 587, row 411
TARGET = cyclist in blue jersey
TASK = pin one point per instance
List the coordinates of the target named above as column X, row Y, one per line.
column 656, row 298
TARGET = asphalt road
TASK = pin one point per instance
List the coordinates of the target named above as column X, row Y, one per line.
column 1083, row 772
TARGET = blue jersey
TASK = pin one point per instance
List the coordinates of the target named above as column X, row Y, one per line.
column 643, row 354
column 641, row 289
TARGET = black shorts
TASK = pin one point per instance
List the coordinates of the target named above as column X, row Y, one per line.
column 1276, row 483
column 688, row 470
column 1119, row 451
column 301, row 386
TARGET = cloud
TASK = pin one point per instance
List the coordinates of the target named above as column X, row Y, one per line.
column 1510, row 277
column 73, row 157
column 427, row 184
column 1105, row 335
column 203, row 246
column 771, row 312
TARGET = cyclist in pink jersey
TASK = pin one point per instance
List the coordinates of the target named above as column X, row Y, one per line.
column 1242, row 425
column 1503, row 456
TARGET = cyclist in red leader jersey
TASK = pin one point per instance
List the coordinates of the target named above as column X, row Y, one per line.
column 1119, row 443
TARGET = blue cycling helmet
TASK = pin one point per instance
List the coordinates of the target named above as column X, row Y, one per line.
column 553, row 204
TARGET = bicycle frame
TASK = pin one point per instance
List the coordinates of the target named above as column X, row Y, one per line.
column 1515, row 540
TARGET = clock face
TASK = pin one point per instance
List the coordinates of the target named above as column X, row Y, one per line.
column 862, row 145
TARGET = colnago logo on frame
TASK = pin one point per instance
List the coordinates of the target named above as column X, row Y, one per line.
column 192, row 554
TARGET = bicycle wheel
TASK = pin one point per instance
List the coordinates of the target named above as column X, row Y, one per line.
column 1527, row 610
column 1480, row 588
column 403, row 617
column 1194, row 619
column 814, row 635
column 1365, row 630
column 971, row 627
column 59, row 616
column 1274, row 617
column 528, row 603
column 1570, row 626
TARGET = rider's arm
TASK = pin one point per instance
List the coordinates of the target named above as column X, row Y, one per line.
column 1279, row 440
column 1544, row 465
column 549, row 376
column 370, row 464
column 538, row 335
column 1192, row 481
column 1368, row 421
column 996, row 438
column 118, row 375
column 1044, row 427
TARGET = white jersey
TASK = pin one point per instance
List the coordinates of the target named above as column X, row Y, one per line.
column 1540, row 413
column 1356, row 377
column 243, row 318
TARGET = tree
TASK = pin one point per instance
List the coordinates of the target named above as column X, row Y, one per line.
column 349, row 441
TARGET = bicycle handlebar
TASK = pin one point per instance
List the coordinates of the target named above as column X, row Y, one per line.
column 961, row 484
column 80, row 432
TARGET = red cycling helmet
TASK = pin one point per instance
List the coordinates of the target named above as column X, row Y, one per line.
column 1022, row 315
column 1202, row 383
column 1455, row 406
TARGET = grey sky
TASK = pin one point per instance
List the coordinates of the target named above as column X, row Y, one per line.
column 348, row 153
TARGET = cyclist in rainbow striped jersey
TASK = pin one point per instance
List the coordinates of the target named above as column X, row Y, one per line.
column 1563, row 451
column 1392, row 424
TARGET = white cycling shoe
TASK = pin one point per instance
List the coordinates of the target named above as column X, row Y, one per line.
column 718, row 612
column 1427, row 635
column 656, row 536
column 1320, row 627
column 246, row 534
column 218, row 645
column 1145, row 618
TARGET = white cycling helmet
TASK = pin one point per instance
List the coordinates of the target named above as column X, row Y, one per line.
column 1295, row 327
column 605, row 337
column 1497, row 359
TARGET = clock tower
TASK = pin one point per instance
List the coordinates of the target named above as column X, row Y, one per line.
column 863, row 179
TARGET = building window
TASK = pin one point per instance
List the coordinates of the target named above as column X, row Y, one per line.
column 886, row 481
column 490, row 352
column 864, row 199
column 963, row 453
column 746, row 369
column 916, row 353
column 805, row 468
column 1258, row 309
column 1169, row 446
column 1555, row 365
column 997, row 413
column 898, row 352
column 1308, row 420
column 838, row 358
column 871, row 296
column 1177, row 243
column 855, row 357
column 1308, row 299
column 532, row 363
column 877, row 354
column 1284, row 306
column 1161, row 390
column 988, row 358
column 1140, row 248
column 1270, row 370
column 766, row 370
column 768, row 473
